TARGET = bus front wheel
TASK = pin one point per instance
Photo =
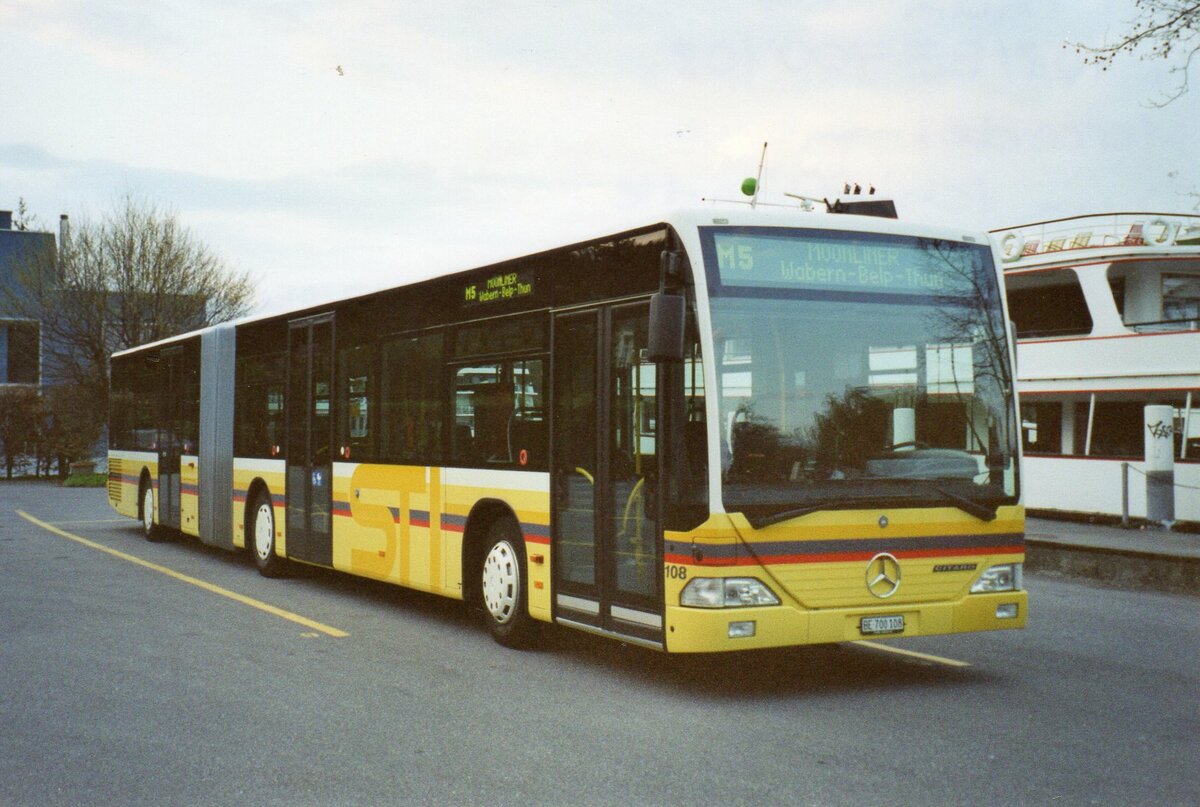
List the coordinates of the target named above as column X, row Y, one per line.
column 262, row 529
column 502, row 586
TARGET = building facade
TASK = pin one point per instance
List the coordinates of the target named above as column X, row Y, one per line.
column 20, row 336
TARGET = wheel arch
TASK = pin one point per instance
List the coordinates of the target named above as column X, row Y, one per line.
column 484, row 514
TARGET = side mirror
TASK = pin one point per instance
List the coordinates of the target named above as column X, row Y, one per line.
column 670, row 267
column 666, row 327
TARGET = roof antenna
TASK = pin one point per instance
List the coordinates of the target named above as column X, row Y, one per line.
column 807, row 202
column 750, row 184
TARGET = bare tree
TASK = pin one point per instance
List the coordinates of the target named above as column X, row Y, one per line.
column 68, row 426
column 1163, row 29
column 20, row 418
column 24, row 220
column 134, row 276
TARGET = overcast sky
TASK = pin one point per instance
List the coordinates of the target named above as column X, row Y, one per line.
column 333, row 148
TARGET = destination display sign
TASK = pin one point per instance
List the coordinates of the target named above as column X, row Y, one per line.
column 845, row 262
column 499, row 288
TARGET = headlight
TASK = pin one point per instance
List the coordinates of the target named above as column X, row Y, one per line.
column 726, row 592
column 1006, row 577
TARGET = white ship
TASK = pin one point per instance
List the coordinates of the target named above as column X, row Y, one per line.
column 1107, row 311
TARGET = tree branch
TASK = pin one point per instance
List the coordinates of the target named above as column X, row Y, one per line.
column 1168, row 27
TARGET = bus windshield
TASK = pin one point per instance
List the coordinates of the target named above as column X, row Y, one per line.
column 858, row 370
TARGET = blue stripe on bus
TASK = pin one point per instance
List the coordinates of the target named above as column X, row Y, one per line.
column 277, row 499
column 845, row 549
column 532, row 532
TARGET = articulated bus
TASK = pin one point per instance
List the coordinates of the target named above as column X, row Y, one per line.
column 730, row 429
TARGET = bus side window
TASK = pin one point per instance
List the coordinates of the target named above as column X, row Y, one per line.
column 498, row 416
column 357, row 402
column 476, row 388
column 528, row 431
column 411, row 404
column 258, row 400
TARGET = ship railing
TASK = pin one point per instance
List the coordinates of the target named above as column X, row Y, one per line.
column 1097, row 231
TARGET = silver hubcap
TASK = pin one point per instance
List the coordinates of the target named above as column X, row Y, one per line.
column 501, row 582
column 264, row 532
column 148, row 510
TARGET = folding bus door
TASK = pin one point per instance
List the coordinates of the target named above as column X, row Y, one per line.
column 170, row 438
column 607, row 544
column 310, row 440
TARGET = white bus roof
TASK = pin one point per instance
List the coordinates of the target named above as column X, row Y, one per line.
column 683, row 219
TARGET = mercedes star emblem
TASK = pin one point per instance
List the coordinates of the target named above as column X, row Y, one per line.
column 883, row 575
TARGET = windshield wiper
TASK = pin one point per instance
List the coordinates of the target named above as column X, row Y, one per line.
column 972, row 507
column 981, row 511
column 758, row 522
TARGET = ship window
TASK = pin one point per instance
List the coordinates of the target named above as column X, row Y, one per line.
column 1117, row 284
column 1041, row 428
column 1181, row 297
column 1116, row 428
column 1048, row 304
column 1187, row 428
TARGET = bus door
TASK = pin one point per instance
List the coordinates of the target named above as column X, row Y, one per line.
column 607, row 547
column 309, row 440
column 170, row 437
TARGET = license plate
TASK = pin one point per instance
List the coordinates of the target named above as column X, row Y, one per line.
column 875, row 625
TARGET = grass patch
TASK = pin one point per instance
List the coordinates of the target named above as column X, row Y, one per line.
column 85, row 481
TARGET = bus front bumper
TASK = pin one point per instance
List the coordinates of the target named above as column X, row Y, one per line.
column 702, row 630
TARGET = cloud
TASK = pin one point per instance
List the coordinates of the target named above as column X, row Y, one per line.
column 458, row 134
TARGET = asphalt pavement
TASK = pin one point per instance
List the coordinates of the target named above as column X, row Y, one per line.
column 172, row 673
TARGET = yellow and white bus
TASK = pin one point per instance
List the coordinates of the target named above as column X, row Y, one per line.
column 726, row 430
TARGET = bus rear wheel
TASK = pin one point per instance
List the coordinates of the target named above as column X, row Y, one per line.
column 262, row 533
column 150, row 530
column 502, row 587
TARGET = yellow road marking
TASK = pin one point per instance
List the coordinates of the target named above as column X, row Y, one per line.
column 210, row 587
column 949, row 662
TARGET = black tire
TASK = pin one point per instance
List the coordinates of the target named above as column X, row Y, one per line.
column 260, row 534
column 502, row 580
column 150, row 530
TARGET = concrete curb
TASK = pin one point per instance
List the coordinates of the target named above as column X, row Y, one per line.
column 1120, row 568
